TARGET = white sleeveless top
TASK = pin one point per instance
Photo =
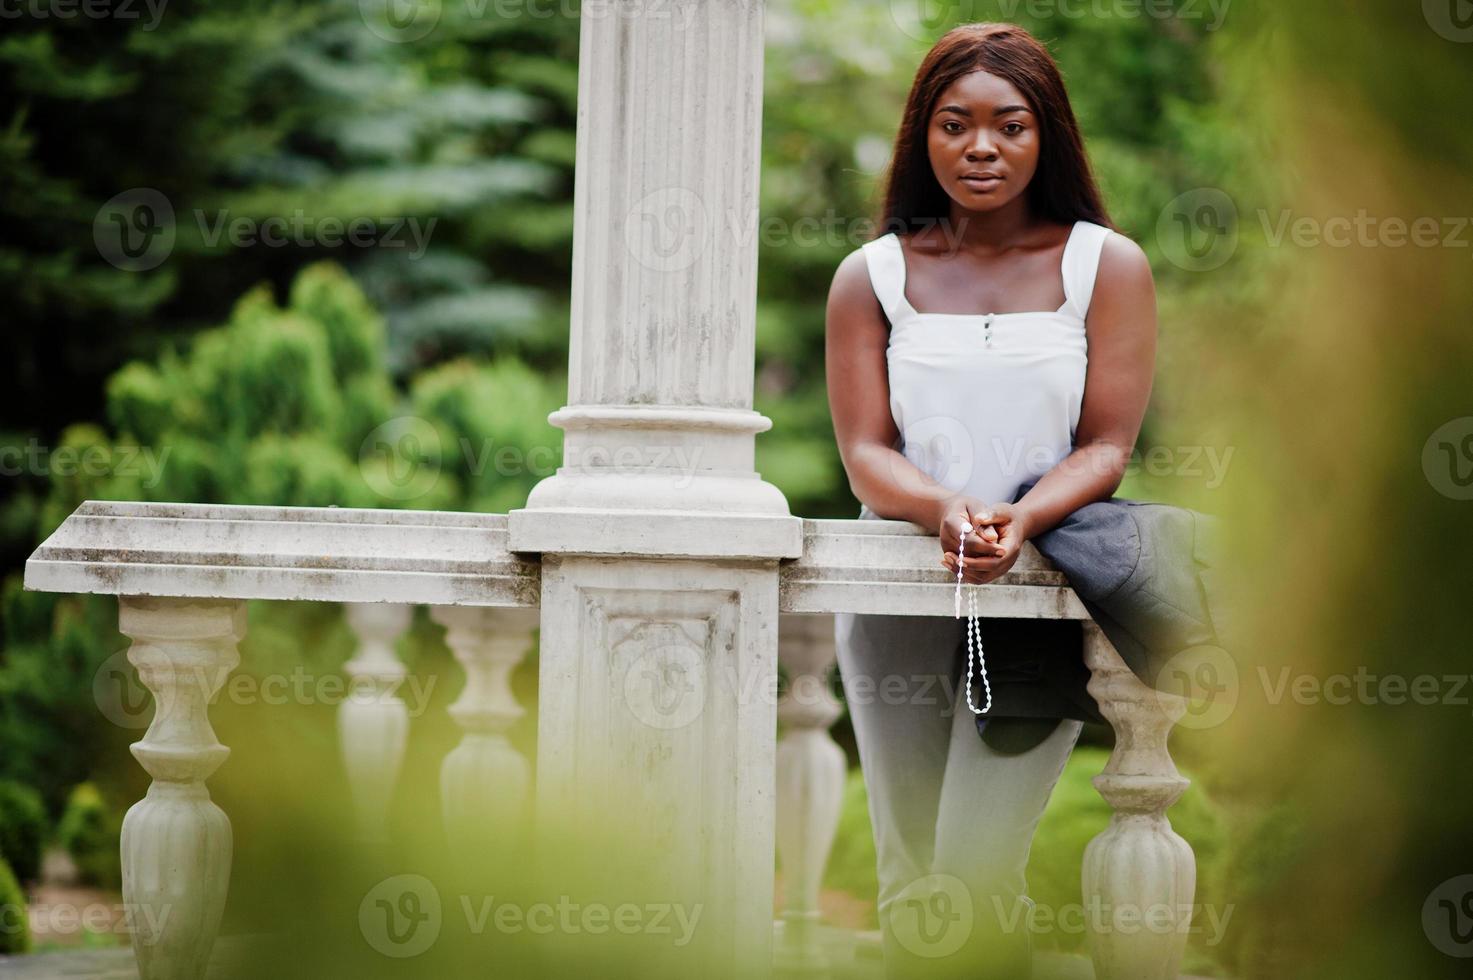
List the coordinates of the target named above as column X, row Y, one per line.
column 987, row 402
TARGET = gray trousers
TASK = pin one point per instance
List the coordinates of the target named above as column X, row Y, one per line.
column 953, row 816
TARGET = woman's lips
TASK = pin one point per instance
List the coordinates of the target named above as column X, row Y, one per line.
column 982, row 183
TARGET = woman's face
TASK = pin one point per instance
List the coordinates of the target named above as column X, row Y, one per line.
column 983, row 141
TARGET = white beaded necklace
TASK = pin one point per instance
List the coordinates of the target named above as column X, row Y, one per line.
column 973, row 626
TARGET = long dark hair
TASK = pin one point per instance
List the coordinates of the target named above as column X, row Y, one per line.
column 1063, row 189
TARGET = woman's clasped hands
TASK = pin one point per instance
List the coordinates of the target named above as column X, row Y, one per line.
column 993, row 545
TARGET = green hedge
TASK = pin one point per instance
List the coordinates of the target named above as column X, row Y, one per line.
column 91, row 833
column 15, row 934
column 22, row 828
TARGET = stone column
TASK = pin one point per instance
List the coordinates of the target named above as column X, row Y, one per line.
column 659, row 540
column 1138, row 873
column 810, row 786
column 176, row 844
column 373, row 723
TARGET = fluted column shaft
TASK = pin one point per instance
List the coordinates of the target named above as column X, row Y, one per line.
column 668, row 158
column 659, row 540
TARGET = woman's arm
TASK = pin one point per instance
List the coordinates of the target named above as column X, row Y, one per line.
column 1117, row 387
column 856, row 336
column 1122, row 360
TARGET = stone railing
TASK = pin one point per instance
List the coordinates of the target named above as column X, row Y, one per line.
column 183, row 572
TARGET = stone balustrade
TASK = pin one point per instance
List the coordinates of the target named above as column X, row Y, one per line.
column 183, row 572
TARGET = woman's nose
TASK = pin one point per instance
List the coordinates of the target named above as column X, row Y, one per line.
column 982, row 149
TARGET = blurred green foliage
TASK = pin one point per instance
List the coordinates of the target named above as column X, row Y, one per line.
column 16, row 936
column 22, row 828
column 287, row 405
column 387, row 379
column 457, row 148
column 89, row 831
column 392, row 379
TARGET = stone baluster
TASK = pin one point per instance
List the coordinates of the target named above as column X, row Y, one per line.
column 1138, row 873
column 810, row 785
column 373, row 723
column 485, row 781
column 176, row 843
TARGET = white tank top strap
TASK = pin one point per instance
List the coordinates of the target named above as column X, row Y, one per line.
column 886, row 263
column 1081, row 265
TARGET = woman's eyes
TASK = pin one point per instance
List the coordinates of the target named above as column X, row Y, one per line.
column 1011, row 129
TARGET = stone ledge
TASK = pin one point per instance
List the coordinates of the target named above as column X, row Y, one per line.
column 452, row 558
column 327, row 554
column 853, row 956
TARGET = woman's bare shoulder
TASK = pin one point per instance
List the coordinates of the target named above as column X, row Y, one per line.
column 852, row 302
column 1123, row 264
